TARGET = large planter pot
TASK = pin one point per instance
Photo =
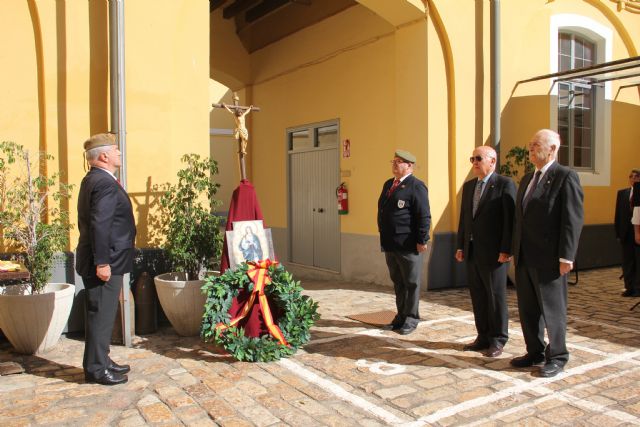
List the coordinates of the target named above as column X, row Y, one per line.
column 182, row 301
column 33, row 323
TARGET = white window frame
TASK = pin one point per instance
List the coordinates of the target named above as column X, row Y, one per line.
column 602, row 37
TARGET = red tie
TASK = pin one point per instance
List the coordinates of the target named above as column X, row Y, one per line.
column 393, row 187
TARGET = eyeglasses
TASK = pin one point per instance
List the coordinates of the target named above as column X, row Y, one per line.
column 397, row 162
column 476, row 158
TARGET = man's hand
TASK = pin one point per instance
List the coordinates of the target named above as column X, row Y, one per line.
column 636, row 230
column 504, row 257
column 421, row 248
column 103, row 271
column 565, row 267
column 459, row 255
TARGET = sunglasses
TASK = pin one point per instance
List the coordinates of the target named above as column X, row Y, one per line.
column 476, row 158
column 397, row 162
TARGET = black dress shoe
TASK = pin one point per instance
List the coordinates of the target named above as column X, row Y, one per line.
column 494, row 350
column 551, row 369
column 391, row 327
column 108, row 378
column 631, row 293
column 476, row 345
column 118, row 369
column 406, row 330
column 526, row 361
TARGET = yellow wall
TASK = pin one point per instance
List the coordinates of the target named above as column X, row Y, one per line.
column 167, row 77
column 330, row 70
column 394, row 76
column 396, row 80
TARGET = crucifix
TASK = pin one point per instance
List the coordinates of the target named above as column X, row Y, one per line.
column 241, row 134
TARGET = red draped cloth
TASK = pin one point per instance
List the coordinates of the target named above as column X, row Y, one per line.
column 245, row 207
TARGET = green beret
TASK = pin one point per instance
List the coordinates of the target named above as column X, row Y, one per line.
column 406, row 156
column 100, row 140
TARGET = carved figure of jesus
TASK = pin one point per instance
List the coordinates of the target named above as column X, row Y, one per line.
column 241, row 131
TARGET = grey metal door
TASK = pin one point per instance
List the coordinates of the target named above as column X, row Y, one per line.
column 315, row 225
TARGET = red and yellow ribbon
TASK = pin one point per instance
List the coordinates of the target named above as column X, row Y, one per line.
column 258, row 273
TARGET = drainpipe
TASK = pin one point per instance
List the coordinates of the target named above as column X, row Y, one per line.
column 495, row 78
column 118, row 126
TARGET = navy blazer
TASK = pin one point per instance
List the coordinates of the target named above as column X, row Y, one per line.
column 106, row 224
column 550, row 227
column 404, row 218
column 492, row 226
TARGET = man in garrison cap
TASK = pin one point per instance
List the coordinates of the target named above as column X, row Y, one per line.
column 404, row 219
column 104, row 254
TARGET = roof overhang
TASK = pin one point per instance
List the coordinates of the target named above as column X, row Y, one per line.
column 625, row 70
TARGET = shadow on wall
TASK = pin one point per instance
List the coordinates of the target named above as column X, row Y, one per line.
column 149, row 215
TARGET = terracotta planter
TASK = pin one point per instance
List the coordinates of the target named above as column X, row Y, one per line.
column 182, row 301
column 33, row 323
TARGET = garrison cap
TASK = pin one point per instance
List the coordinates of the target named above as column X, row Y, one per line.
column 100, row 140
column 405, row 155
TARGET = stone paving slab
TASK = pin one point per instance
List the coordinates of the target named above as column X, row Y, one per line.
column 351, row 373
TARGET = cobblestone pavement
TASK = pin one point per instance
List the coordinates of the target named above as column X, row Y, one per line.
column 353, row 374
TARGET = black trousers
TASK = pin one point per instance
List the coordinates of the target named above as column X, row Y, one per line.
column 101, row 306
column 543, row 304
column 630, row 263
column 405, row 270
column 488, row 290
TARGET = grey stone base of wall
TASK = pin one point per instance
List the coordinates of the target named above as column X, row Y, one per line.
column 363, row 262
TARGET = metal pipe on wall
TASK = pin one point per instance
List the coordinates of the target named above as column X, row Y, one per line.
column 495, row 78
column 118, row 125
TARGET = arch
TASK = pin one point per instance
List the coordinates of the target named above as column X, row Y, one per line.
column 617, row 24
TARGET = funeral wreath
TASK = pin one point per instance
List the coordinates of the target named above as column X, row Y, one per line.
column 295, row 313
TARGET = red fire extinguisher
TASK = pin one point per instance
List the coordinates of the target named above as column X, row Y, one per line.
column 343, row 199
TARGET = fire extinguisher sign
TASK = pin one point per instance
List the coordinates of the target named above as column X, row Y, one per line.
column 346, row 148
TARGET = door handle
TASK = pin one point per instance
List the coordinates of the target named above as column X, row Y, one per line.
column 320, row 210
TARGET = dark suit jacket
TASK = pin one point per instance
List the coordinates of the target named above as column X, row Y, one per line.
column 492, row 226
column 404, row 218
column 550, row 228
column 107, row 227
column 622, row 222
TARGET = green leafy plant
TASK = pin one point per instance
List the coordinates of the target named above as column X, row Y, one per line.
column 297, row 313
column 193, row 239
column 30, row 225
column 517, row 163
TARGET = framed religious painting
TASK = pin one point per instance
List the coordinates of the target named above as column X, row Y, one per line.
column 249, row 241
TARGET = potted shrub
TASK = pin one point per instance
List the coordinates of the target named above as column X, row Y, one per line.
column 33, row 314
column 193, row 242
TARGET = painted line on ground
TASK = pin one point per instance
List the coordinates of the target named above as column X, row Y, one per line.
column 520, row 388
column 603, row 324
column 340, row 392
column 567, row 397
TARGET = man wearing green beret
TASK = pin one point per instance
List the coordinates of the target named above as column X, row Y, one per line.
column 104, row 254
column 404, row 219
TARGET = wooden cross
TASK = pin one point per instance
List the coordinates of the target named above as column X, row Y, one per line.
column 240, row 133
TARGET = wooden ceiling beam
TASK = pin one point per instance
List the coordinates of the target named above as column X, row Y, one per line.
column 237, row 7
column 214, row 4
column 264, row 8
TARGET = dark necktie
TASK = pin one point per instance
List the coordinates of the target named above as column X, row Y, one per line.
column 476, row 196
column 393, row 187
column 534, row 184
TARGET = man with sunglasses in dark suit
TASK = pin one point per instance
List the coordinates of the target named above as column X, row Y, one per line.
column 549, row 219
column 404, row 219
column 484, row 242
column 104, row 254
